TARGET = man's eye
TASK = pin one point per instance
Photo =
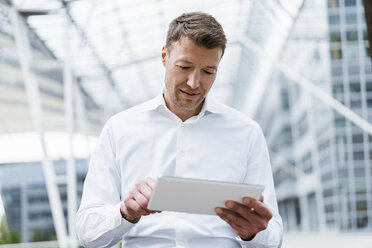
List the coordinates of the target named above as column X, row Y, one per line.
column 184, row 67
column 208, row 72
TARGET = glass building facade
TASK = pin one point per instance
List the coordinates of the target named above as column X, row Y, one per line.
column 322, row 161
column 25, row 198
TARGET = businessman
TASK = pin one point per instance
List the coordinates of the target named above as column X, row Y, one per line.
column 182, row 132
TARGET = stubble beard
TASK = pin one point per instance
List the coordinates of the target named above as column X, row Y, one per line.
column 176, row 101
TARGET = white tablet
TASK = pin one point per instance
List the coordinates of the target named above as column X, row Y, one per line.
column 198, row 196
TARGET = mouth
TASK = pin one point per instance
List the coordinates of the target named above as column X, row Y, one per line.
column 189, row 95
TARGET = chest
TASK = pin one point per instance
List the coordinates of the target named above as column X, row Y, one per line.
column 202, row 152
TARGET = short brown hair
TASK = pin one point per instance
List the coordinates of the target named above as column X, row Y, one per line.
column 201, row 28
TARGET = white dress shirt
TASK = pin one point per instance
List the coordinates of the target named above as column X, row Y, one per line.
column 148, row 140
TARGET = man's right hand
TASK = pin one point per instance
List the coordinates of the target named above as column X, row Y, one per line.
column 135, row 204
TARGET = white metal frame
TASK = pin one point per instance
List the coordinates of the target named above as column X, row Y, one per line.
column 69, row 118
column 32, row 90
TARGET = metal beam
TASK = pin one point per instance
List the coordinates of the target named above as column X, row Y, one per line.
column 325, row 97
column 313, row 90
column 258, row 85
column 100, row 61
column 70, row 121
column 136, row 61
column 32, row 90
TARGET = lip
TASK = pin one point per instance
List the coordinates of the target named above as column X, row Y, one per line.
column 190, row 95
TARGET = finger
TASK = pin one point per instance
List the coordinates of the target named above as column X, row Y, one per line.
column 248, row 226
column 259, row 207
column 145, row 190
column 261, row 198
column 232, row 218
column 246, row 212
column 134, row 209
column 150, row 182
column 142, row 202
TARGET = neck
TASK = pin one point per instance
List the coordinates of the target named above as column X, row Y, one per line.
column 183, row 114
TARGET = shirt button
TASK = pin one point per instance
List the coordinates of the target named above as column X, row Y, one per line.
column 181, row 243
column 182, row 153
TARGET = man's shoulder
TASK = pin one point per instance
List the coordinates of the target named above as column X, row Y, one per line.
column 231, row 113
column 135, row 112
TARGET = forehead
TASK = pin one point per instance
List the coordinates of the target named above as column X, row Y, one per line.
column 186, row 50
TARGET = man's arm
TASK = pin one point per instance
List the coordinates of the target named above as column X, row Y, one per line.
column 261, row 227
column 99, row 222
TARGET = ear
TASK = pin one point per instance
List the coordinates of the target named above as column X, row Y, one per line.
column 163, row 54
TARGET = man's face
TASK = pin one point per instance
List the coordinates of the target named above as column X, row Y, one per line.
column 190, row 71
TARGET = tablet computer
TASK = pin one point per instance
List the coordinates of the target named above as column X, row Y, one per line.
column 198, row 196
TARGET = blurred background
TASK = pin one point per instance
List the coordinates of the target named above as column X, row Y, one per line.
column 301, row 68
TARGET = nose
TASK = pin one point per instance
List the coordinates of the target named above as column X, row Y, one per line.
column 194, row 80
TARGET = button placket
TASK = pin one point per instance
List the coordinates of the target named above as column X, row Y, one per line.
column 181, row 151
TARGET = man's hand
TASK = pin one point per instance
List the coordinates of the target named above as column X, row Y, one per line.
column 135, row 204
column 247, row 218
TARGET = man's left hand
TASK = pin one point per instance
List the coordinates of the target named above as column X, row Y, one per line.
column 246, row 218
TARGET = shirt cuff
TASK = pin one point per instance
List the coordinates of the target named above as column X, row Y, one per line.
column 248, row 244
column 259, row 241
column 117, row 222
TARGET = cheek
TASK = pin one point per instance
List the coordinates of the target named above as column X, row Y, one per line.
column 179, row 79
column 208, row 82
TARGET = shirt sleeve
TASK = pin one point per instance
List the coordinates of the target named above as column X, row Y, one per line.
column 259, row 172
column 98, row 221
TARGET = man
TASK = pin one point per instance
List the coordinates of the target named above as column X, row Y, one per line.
column 181, row 133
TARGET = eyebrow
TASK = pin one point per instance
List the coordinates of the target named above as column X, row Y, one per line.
column 188, row 62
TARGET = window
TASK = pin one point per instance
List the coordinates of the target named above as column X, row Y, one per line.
column 328, row 192
column 340, row 122
column 338, row 88
column 354, row 70
column 351, row 18
column 362, row 221
column 336, row 70
column 358, row 155
column 336, row 53
column 334, row 19
column 357, row 138
column 329, row 208
column 350, row 3
column 335, row 37
column 355, row 104
column 326, row 177
column 343, row 172
column 361, row 206
column 365, row 36
column 355, row 87
column 333, row 3
column 307, row 163
column 369, row 86
column 359, row 172
column 352, row 35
